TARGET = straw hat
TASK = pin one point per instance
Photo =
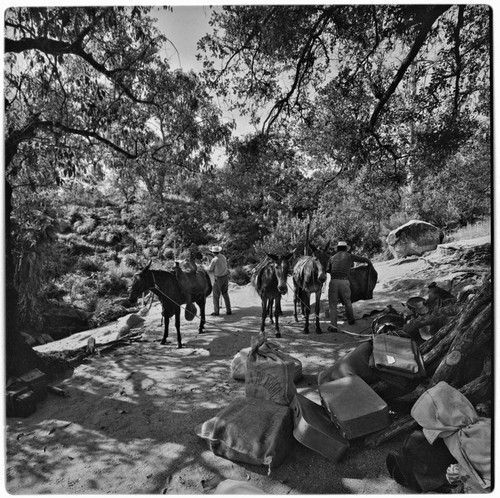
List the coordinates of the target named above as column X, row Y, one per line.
column 215, row 248
column 342, row 243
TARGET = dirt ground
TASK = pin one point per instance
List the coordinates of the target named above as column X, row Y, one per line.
column 128, row 423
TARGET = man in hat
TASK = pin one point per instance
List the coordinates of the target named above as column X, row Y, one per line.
column 218, row 266
column 339, row 266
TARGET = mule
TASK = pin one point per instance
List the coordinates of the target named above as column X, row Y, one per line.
column 270, row 281
column 171, row 294
column 309, row 275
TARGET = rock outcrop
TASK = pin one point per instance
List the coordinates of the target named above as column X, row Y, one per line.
column 414, row 239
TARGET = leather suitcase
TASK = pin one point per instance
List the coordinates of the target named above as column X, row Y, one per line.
column 314, row 429
column 398, row 356
column 354, row 407
column 37, row 382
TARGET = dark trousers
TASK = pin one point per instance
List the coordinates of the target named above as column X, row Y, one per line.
column 221, row 287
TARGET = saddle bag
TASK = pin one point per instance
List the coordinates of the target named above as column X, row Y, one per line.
column 354, row 407
column 397, row 355
column 239, row 363
column 250, row 430
column 314, row 429
column 268, row 376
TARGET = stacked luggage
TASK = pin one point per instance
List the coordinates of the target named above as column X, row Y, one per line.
column 261, row 427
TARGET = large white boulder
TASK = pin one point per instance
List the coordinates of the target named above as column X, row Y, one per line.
column 414, row 238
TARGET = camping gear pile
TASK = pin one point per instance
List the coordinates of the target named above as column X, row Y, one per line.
column 449, row 442
column 445, row 379
column 260, row 428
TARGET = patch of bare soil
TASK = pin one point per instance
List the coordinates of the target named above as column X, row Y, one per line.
column 128, row 423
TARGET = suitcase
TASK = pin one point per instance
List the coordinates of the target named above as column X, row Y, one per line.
column 21, row 400
column 314, row 429
column 354, row 407
column 37, row 382
column 398, row 356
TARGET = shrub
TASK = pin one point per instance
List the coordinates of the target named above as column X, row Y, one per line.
column 239, row 276
column 113, row 284
column 88, row 265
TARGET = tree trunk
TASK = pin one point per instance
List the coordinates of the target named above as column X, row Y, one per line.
column 452, row 366
column 19, row 357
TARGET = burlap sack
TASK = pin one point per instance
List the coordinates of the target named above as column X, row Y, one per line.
column 239, row 363
column 250, row 430
column 268, row 376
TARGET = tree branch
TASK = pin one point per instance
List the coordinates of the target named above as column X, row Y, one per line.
column 433, row 14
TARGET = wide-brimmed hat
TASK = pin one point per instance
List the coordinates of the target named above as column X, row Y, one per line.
column 342, row 243
column 215, row 248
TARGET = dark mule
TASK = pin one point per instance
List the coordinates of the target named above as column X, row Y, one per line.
column 196, row 286
column 166, row 286
column 309, row 275
column 270, row 282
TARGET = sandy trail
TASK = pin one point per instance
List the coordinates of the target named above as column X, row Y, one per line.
column 128, row 423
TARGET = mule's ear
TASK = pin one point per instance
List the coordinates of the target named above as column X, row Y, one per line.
column 148, row 265
column 272, row 256
column 327, row 245
column 290, row 255
column 313, row 247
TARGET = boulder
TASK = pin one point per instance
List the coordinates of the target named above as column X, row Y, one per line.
column 62, row 320
column 414, row 238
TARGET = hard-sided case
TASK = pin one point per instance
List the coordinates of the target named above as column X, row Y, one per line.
column 354, row 407
column 314, row 429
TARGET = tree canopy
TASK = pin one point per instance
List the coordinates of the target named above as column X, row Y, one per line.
column 368, row 114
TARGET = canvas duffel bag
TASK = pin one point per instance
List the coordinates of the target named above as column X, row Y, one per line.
column 250, row 430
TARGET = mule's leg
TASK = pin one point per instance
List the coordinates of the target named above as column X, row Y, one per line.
column 165, row 333
column 316, row 309
column 178, row 326
column 295, row 299
column 278, row 304
column 277, row 309
column 270, row 310
column 263, row 314
column 201, row 304
column 306, row 299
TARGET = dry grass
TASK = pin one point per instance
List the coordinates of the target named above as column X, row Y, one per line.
column 473, row 231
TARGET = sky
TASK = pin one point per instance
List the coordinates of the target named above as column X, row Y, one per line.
column 184, row 26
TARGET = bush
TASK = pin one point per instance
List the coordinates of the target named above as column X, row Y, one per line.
column 89, row 265
column 113, row 284
column 54, row 291
column 239, row 276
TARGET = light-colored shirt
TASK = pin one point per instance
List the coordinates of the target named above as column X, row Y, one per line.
column 218, row 265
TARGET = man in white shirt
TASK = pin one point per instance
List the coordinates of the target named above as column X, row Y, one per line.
column 218, row 266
